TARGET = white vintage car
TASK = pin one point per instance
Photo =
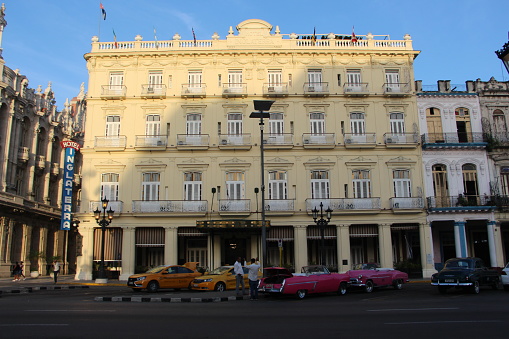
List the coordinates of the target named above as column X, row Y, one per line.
column 505, row 277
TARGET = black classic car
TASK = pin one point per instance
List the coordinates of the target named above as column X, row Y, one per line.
column 466, row 273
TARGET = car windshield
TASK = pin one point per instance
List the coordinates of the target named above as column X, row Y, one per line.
column 459, row 264
column 156, row 269
column 366, row 266
column 220, row 270
column 315, row 270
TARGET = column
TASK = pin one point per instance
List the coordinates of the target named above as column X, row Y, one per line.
column 254, row 248
column 426, row 242
column 170, row 245
column 460, row 239
column 495, row 243
column 5, row 154
column 385, row 245
column 343, row 240
column 128, row 252
column 84, row 263
column 301, row 247
column 31, row 163
column 217, row 252
column 47, row 169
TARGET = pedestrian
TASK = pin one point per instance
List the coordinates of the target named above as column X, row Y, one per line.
column 56, row 270
column 22, row 270
column 253, row 268
column 15, row 271
column 239, row 276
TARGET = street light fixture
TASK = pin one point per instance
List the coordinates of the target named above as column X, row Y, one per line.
column 103, row 220
column 262, row 106
column 322, row 224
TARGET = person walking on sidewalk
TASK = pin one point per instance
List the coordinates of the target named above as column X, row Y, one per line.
column 253, row 279
column 21, row 271
column 16, row 271
column 56, row 270
column 239, row 276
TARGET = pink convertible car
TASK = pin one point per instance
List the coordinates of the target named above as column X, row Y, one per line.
column 370, row 275
column 313, row 279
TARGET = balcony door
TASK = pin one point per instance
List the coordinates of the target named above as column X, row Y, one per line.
column 392, row 81
column 235, row 81
column 275, row 81
column 354, row 80
column 440, row 185
column 235, row 128
column 276, row 128
column 193, row 129
column 315, row 80
column 194, row 79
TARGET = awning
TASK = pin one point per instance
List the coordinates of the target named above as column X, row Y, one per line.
column 112, row 244
column 284, row 233
column 404, row 227
column 149, row 237
column 190, row 232
column 313, row 232
column 231, row 224
column 363, row 231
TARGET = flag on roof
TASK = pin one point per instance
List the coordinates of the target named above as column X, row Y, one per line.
column 102, row 10
column 314, row 34
column 354, row 38
column 115, row 38
column 194, row 35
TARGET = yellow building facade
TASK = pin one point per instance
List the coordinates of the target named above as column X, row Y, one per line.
column 170, row 144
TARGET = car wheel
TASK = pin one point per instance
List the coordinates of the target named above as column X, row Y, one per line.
column 342, row 288
column 368, row 288
column 442, row 289
column 398, row 284
column 301, row 294
column 476, row 288
column 152, row 287
column 220, row 287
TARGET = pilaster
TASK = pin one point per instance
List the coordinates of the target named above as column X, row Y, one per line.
column 85, row 261
column 460, row 239
column 170, row 245
column 385, row 245
column 128, row 252
column 426, row 247
column 343, row 241
column 301, row 246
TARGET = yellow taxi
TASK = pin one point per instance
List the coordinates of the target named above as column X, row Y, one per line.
column 220, row 279
column 174, row 276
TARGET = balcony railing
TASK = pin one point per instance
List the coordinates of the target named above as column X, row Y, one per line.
column 111, row 142
column 272, row 90
column 153, row 91
column 189, row 141
column 23, row 154
column 235, row 141
column 356, row 89
column 461, row 203
column 316, row 89
column 345, row 204
column 115, row 205
column 499, row 139
column 113, row 91
column 401, row 139
column 240, row 205
column 193, row 90
column 170, row 206
column 234, row 90
column 40, row 161
column 279, row 205
column 409, row 203
column 360, row 140
column 150, row 142
column 396, row 89
column 460, row 139
column 283, row 140
column 319, row 140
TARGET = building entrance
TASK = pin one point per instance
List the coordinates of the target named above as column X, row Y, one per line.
column 233, row 248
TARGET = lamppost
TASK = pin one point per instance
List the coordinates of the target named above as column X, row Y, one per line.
column 103, row 220
column 263, row 107
column 322, row 223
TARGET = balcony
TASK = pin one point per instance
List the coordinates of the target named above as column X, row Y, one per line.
column 398, row 89
column 153, row 91
column 116, row 206
column 55, row 169
column 235, row 90
column 356, row 90
column 151, row 142
column 346, row 205
column 275, row 91
column 23, row 154
column 279, row 207
column 322, row 140
column 401, row 140
column 465, row 140
column 174, row 207
column 234, row 207
column 193, row 90
column 316, row 89
column 193, row 141
column 40, row 162
column 235, row 141
column 498, row 140
column 461, row 203
column 113, row 91
column 278, row 141
column 407, row 205
column 113, row 143
column 358, row 140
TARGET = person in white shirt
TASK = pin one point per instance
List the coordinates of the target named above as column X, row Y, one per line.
column 253, row 278
column 56, row 270
column 239, row 276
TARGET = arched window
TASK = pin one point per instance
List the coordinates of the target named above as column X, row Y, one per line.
column 434, row 124
column 470, row 186
column 499, row 124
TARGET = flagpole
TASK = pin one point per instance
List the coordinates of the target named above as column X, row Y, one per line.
column 99, row 24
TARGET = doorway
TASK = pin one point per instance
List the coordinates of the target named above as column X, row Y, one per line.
column 233, row 248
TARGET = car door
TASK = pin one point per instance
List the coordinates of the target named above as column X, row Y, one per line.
column 184, row 277
column 230, row 279
column 168, row 277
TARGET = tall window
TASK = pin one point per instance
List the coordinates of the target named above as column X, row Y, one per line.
column 150, row 186
column 235, row 80
column 392, row 80
column 276, row 125
column 278, row 185
column 314, row 76
column 192, row 185
column 109, row 186
column 401, row 182
column 234, row 123
column 317, row 121
column 112, row 126
column 357, row 124
column 116, row 81
column 470, row 186
column 499, row 124
column 353, row 80
column 194, row 78
column 440, row 184
column 153, row 125
column 361, row 184
column 397, row 122
column 463, row 124
column 235, row 185
column 504, row 180
column 193, row 124
column 434, row 124
column 275, row 77
column 320, row 186
column 155, row 79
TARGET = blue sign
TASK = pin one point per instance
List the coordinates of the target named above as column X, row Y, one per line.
column 71, row 148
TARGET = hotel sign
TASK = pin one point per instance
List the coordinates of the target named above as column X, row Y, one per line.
column 71, row 148
column 229, row 224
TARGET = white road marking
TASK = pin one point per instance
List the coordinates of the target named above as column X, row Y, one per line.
column 24, row 325
column 70, row 311
column 444, row 322
column 413, row 309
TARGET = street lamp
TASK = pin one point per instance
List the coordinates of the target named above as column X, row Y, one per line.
column 322, row 223
column 263, row 107
column 103, row 220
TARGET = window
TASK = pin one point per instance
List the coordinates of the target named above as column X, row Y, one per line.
column 470, row 179
column 116, row 81
column 440, row 185
column 434, row 124
column 353, row 80
column 192, row 185
column 193, row 124
column 155, row 79
column 112, row 126
column 357, row 124
column 235, row 185
column 499, row 125
column 504, row 178
column 194, row 79
column 314, row 76
column 392, row 80
column 320, row 184
column 235, row 80
column 463, row 124
column 109, row 186
column 317, row 123
column 153, row 125
column 235, row 123
column 275, row 77
column 276, row 126
column 278, row 186
column 397, row 123
column 361, row 184
column 150, row 186
column 401, row 182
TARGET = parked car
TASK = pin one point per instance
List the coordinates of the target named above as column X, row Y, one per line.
column 220, row 279
column 174, row 276
column 369, row 276
column 505, row 277
column 313, row 279
column 466, row 273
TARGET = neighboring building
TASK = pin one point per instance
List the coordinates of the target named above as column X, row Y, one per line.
column 503, row 54
column 461, row 209
column 31, row 130
column 170, row 144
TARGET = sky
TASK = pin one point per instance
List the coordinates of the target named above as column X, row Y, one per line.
column 46, row 40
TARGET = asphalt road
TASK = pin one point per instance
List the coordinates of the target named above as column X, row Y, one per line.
column 417, row 311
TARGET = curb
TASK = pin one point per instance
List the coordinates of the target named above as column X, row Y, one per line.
column 40, row 288
column 168, row 300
